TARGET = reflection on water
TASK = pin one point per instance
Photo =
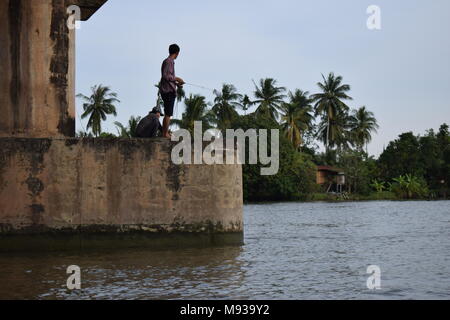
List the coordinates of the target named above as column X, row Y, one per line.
column 135, row 274
column 291, row 251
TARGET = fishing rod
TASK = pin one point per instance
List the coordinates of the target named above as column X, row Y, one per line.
column 192, row 85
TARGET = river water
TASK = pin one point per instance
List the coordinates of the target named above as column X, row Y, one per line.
column 291, row 251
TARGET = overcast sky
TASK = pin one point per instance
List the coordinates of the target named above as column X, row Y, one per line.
column 400, row 72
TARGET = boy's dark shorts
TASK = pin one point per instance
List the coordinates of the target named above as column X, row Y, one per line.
column 169, row 103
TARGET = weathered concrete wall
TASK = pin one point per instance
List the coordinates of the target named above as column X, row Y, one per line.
column 113, row 186
column 37, row 67
column 90, row 189
column 36, row 87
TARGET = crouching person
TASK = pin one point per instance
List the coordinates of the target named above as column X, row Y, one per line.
column 150, row 127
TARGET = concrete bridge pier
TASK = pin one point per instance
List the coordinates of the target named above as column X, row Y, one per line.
column 58, row 192
column 37, row 67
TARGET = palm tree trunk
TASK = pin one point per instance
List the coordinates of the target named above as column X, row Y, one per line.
column 328, row 133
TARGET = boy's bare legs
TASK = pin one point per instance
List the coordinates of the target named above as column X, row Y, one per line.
column 166, row 124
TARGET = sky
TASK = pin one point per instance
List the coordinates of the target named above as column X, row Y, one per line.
column 401, row 72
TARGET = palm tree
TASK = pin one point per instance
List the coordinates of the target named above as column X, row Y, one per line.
column 363, row 123
column 98, row 106
column 130, row 130
column 224, row 108
column 336, row 132
column 245, row 103
column 269, row 98
column 196, row 110
column 122, row 130
column 329, row 103
column 296, row 116
column 133, row 124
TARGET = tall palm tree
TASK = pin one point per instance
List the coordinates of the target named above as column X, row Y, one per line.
column 336, row 132
column 98, row 106
column 297, row 116
column 196, row 110
column 329, row 103
column 269, row 98
column 130, row 130
column 363, row 123
column 245, row 103
column 224, row 108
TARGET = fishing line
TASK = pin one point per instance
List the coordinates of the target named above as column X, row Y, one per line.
column 192, row 85
column 198, row 86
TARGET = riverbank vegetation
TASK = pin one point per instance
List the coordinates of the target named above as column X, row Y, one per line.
column 411, row 167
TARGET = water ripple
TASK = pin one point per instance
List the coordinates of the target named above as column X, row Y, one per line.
column 291, row 251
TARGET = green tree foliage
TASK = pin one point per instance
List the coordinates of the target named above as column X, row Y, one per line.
column 339, row 129
column 425, row 158
column 443, row 138
column 402, row 156
column 130, row 130
column 408, row 166
column 296, row 117
column 378, row 186
column 107, row 135
column 296, row 177
column 98, row 106
column 358, row 170
column 245, row 103
column 181, row 94
column 196, row 110
column 268, row 98
column 362, row 124
column 435, row 156
column 409, row 187
column 329, row 103
column 224, row 109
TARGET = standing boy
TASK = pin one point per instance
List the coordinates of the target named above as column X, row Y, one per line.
column 168, row 86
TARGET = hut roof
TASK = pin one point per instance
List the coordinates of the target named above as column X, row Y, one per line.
column 330, row 169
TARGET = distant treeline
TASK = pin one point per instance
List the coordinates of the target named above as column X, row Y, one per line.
column 410, row 167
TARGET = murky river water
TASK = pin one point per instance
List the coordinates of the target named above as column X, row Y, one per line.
column 291, row 251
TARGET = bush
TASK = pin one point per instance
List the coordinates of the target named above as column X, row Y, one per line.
column 409, row 187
